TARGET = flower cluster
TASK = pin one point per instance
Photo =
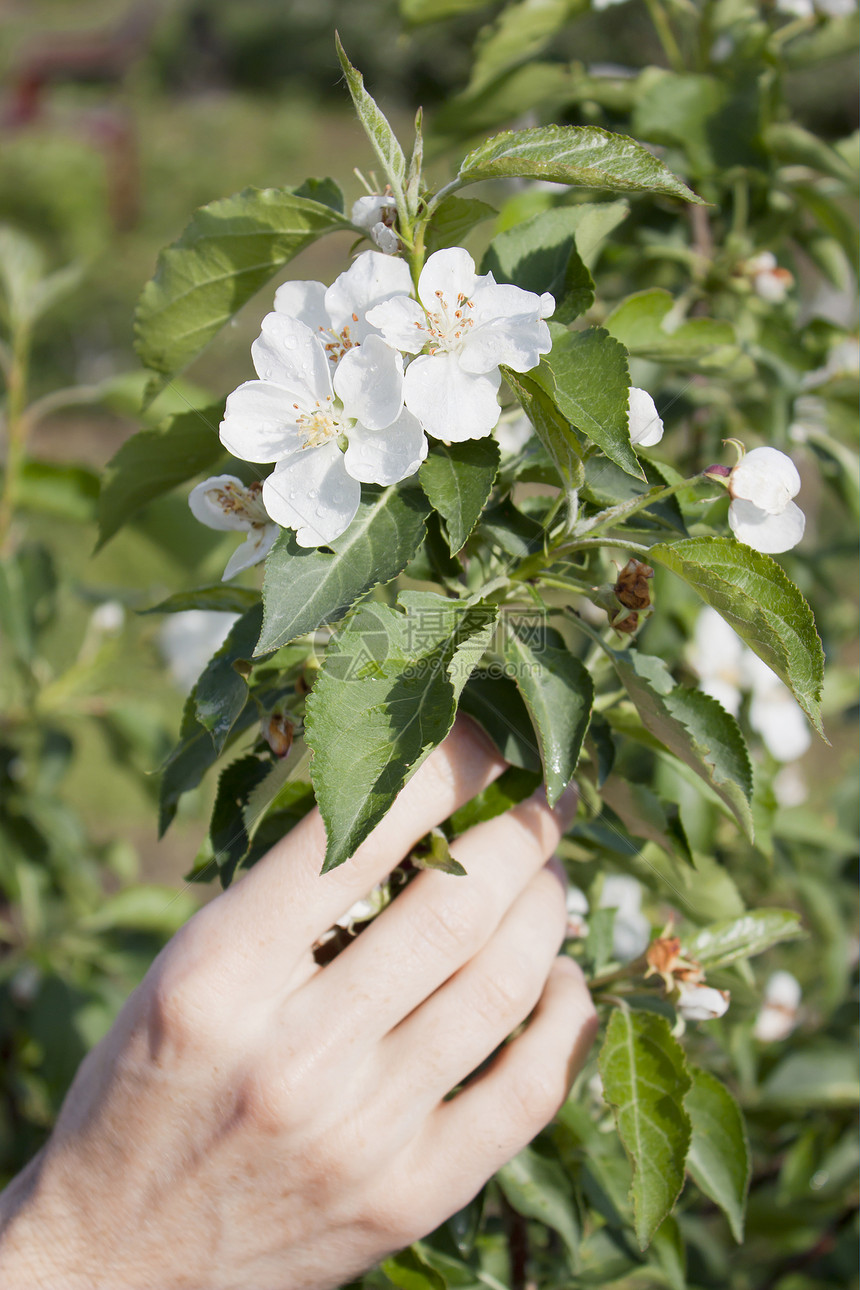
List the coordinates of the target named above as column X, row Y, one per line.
column 352, row 378
column 761, row 485
column 684, row 979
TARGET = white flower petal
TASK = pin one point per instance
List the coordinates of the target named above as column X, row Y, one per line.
column 254, row 549
column 450, row 272
column 646, row 427
column 367, row 211
column 260, row 422
column 450, row 403
column 402, row 322
column 782, row 726
column 766, row 477
column 763, row 532
column 507, row 327
column 371, row 279
column 385, row 238
column 783, row 989
column 386, row 456
column 716, row 652
column 313, row 494
column 207, row 502
column 513, row 435
column 701, row 1002
column 368, row 381
column 288, row 353
column 305, row 301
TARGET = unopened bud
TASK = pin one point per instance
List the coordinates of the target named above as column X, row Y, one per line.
column 277, row 731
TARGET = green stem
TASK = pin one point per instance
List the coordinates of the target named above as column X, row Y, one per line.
column 586, row 544
column 17, row 429
column 623, row 512
column 666, row 36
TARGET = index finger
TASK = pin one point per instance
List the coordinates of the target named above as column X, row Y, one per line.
column 284, row 904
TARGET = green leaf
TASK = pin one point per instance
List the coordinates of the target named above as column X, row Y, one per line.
column 194, row 753
column 222, row 691
column 586, row 376
column 59, row 489
column 645, row 816
column 222, row 599
column 495, row 703
column 160, row 910
column 693, row 726
column 452, row 219
column 646, row 328
column 433, row 852
column 760, row 602
column 716, row 128
column 385, row 696
column 518, row 34
column 794, row 146
column 325, row 191
column 515, row 532
column 152, row 462
column 435, row 10
column 540, row 1187
column 741, row 938
column 511, row 788
column 304, row 588
column 227, row 830
column 541, row 255
column 410, row 1271
column 554, row 431
column 458, row 479
column 582, row 156
column 823, row 1075
column 719, row 1159
column 669, row 1253
column 377, row 129
column 644, row 1081
column 230, row 249
column 558, row 692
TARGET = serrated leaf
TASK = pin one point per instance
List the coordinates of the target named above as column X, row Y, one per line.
column 586, row 376
column 194, row 753
column 385, row 696
column 718, row 1160
column 644, row 1081
column 554, row 431
column 458, row 479
column 741, row 938
column 376, row 127
column 410, row 1271
column 221, row 692
column 540, row 1187
column 582, row 156
column 152, row 462
column 693, row 726
column 757, row 599
column 558, row 692
column 229, row 250
column 452, row 219
column 541, row 254
column 325, row 191
column 495, row 703
column 227, row 831
column 221, row 599
column 304, row 588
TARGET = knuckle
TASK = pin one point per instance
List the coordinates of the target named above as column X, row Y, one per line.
column 506, row 995
column 181, row 1014
column 536, row 1096
column 389, row 1217
column 451, row 929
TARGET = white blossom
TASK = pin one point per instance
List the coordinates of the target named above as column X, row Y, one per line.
column 224, row 502
column 329, row 427
column 697, row 1002
column 368, row 907
column 631, row 931
column 462, row 327
column 339, row 312
column 188, row 640
column 762, row 513
column 513, row 433
column 377, row 213
column 108, row 618
column 646, row 427
column 577, row 908
column 778, row 1015
column 726, row 669
column 770, row 282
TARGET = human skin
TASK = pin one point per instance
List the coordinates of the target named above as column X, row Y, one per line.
column 256, row 1122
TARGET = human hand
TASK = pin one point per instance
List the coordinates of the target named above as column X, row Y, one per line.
column 256, row 1122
